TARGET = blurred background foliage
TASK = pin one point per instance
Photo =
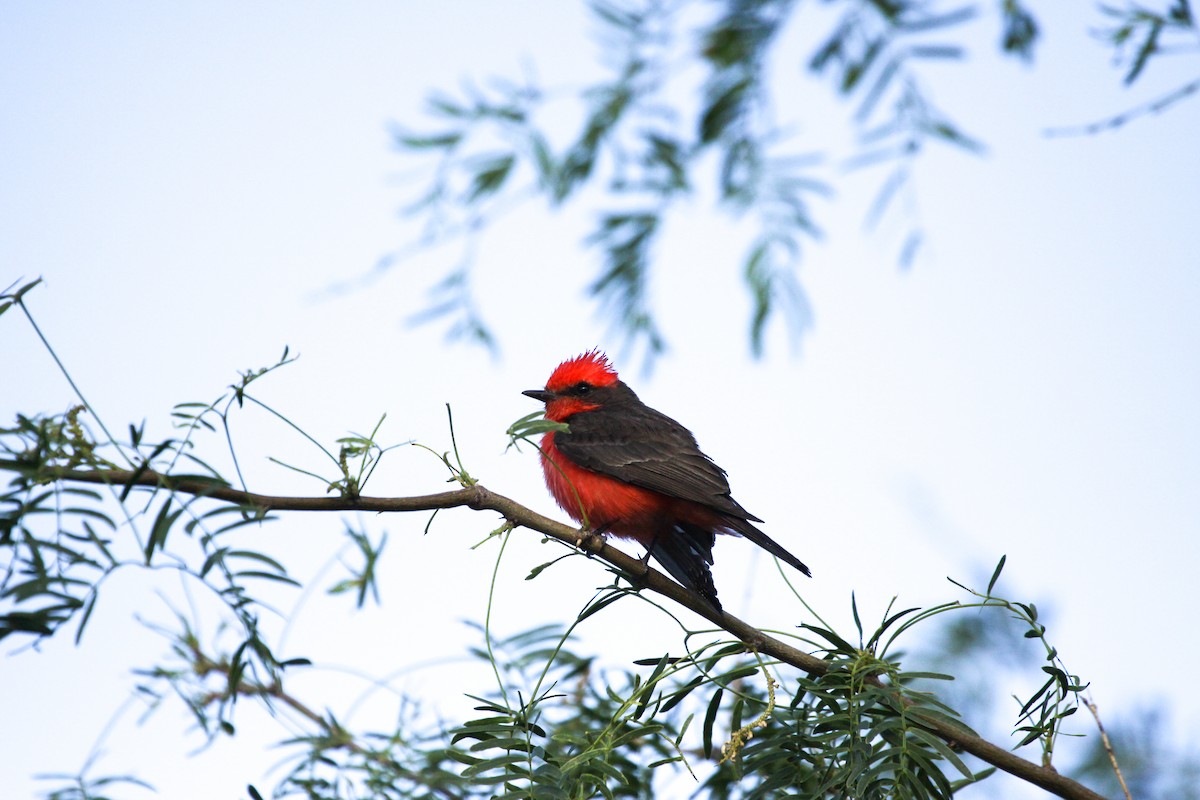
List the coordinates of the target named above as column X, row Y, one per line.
column 696, row 105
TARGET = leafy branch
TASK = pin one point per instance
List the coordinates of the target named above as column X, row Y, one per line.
column 640, row 153
column 478, row 498
column 1137, row 35
column 806, row 712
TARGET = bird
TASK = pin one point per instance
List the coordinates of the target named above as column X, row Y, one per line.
column 625, row 469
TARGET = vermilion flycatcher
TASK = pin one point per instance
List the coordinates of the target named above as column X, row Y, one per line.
column 626, row 469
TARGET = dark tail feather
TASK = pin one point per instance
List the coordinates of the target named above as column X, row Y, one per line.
column 766, row 543
column 685, row 551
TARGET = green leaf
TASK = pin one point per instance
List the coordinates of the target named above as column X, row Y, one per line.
column 162, row 526
column 87, row 614
column 502, row 763
column 259, row 557
column 15, row 297
column 270, row 576
column 143, row 467
column 441, row 141
column 101, row 544
column 213, row 559
column 887, row 623
column 726, row 101
column 1039, row 694
column 490, row 177
column 647, row 691
column 857, row 68
column 946, row 719
column 534, row 424
column 710, row 718
column 1148, row 47
column 931, row 22
column 739, row 673
column 647, row 731
column 996, row 575
column 936, row 51
column 840, row 645
column 295, row 662
column 854, row 612
column 976, row 778
column 679, row 695
column 929, row 676
column 33, row 622
column 506, row 743
column 942, row 750
column 599, row 604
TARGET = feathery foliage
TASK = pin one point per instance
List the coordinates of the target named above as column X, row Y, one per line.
column 688, row 107
column 851, row 718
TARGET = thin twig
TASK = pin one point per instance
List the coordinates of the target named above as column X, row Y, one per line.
column 336, row 734
column 1108, row 748
column 1118, row 120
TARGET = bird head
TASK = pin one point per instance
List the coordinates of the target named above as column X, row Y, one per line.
column 576, row 385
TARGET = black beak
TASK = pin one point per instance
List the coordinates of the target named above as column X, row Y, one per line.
column 539, row 394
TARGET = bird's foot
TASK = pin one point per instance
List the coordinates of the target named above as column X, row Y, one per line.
column 588, row 540
column 593, row 538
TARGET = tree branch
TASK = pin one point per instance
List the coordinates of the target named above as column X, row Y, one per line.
column 338, row 737
column 1125, row 117
column 481, row 499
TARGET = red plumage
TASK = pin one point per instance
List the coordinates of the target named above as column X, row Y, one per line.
column 624, row 468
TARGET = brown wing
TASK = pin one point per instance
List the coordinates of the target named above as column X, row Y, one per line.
column 646, row 448
column 633, row 443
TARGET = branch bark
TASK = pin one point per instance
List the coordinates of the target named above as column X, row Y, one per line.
column 481, row 499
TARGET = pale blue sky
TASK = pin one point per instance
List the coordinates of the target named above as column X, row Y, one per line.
column 189, row 177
